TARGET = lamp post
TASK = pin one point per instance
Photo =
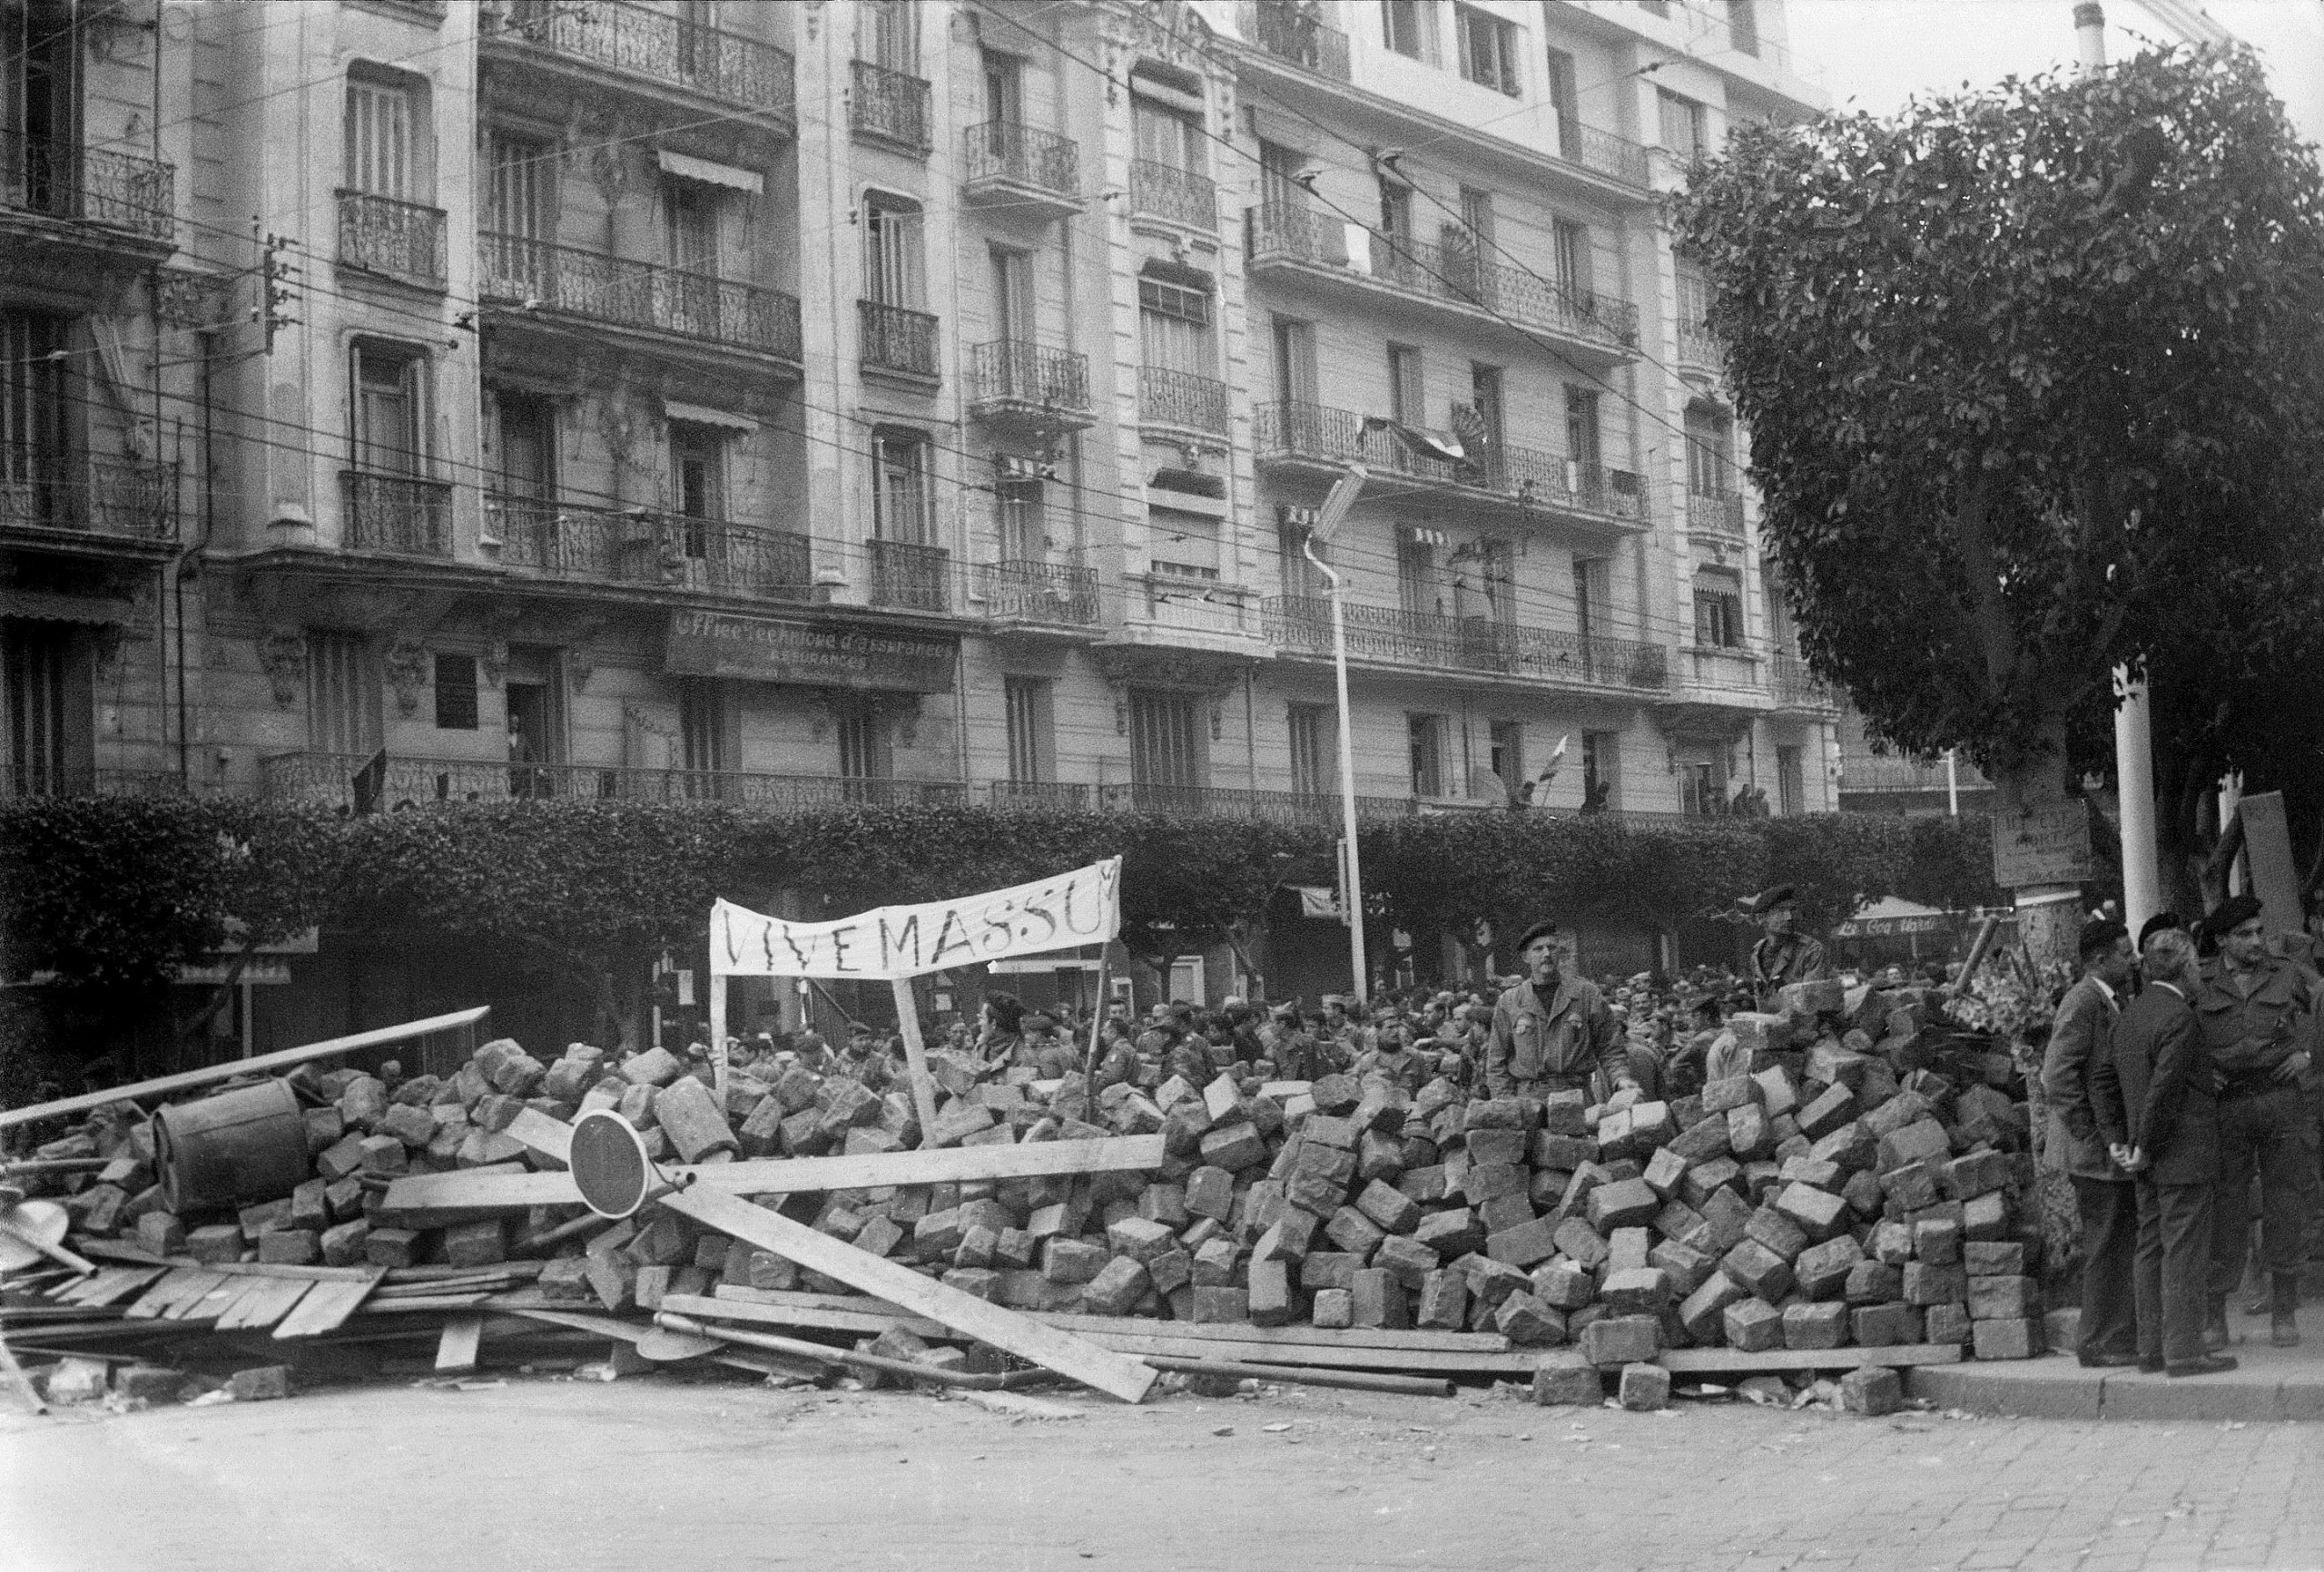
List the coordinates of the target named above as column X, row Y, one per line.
column 1328, row 519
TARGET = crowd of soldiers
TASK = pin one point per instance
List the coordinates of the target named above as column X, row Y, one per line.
column 2180, row 1076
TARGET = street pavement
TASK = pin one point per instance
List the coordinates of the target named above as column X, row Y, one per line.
column 536, row 1471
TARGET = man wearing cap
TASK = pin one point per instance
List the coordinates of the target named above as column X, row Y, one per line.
column 1782, row 957
column 2106, row 1197
column 2259, row 1018
column 1553, row 1032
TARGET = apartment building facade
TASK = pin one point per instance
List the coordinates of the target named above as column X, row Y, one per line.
column 417, row 403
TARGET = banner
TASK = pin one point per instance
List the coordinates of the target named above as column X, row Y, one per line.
column 1060, row 912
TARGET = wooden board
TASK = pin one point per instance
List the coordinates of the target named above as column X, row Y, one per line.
column 756, row 1361
column 173, row 1289
column 265, row 1304
column 1710, row 1361
column 2267, row 852
column 281, row 1059
column 1004, row 1329
column 1514, row 1362
column 110, row 1286
column 872, row 1322
column 211, row 1301
column 327, row 1306
column 427, row 1200
column 456, row 1347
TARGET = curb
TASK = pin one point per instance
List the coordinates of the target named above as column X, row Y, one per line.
column 2058, row 1387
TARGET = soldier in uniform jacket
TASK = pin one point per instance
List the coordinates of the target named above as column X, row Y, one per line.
column 1553, row 1032
column 1782, row 957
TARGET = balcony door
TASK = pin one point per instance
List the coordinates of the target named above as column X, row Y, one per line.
column 1012, row 318
column 34, row 433
column 885, row 35
column 1166, row 739
column 1314, row 743
column 1294, row 361
column 1004, row 89
column 1582, row 440
column 342, row 696
column 379, row 150
column 893, row 271
column 47, row 708
column 698, row 494
column 703, row 734
column 388, row 419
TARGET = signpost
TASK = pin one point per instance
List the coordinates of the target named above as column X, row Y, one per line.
column 2045, row 843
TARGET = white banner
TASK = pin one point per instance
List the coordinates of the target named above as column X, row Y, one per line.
column 1060, row 912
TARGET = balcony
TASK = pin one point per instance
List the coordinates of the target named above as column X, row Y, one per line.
column 1715, row 515
column 1292, row 242
column 1603, row 153
column 898, row 340
column 1036, row 594
column 1318, row 809
column 1017, row 384
column 1036, row 172
column 396, row 513
column 1182, row 400
column 1732, row 668
column 114, row 190
column 1698, row 350
column 643, row 547
column 890, row 107
column 1297, row 435
column 1301, row 626
column 328, row 778
column 654, row 46
column 536, row 277
column 1052, row 796
column 1798, row 688
column 132, row 501
column 55, row 778
column 396, row 239
column 1178, row 196
column 1293, row 32
column 906, row 576
column 1866, row 771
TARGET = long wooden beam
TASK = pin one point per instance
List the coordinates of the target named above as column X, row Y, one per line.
column 422, row 1200
column 1108, row 1372
column 280, row 1059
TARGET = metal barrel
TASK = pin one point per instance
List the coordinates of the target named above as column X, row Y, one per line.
column 246, row 1144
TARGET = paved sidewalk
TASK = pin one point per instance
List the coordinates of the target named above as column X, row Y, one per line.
column 2268, row 1383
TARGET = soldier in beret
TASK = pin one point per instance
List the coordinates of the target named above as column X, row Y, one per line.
column 1553, row 1032
column 1782, row 957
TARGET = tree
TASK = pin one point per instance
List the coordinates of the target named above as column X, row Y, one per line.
column 2034, row 387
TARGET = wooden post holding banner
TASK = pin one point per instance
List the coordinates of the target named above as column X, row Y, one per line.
column 894, row 944
column 1097, row 1027
column 923, row 1087
column 717, row 1035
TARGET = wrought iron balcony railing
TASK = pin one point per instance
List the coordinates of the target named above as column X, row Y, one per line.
column 540, row 277
column 1453, row 271
column 1057, row 795
column 1037, row 592
column 1522, row 474
column 125, row 498
column 401, row 239
column 396, row 513
column 91, row 185
column 1004, row 150
column 1796, row 685
column 1166, row 192
column 1714, row 514
column 1295, row 32
column 53, row 777
column 1303, row 625
column 889, row 105
column 648, row 547
column 663, row 48
column 422, row 782
column 910, row 576
column 897, row 338
column 1181, row 398
column 1013, row 372
column 1696, row 347
column 1608, row 154
column 1318, row 809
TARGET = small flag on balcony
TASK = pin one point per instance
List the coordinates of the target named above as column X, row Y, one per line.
column 370, row 782
column 1417, row 535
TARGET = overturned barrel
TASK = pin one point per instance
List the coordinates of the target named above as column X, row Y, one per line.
column 246, row 1144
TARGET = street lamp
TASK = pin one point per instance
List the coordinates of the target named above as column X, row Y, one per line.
column 1328, row 519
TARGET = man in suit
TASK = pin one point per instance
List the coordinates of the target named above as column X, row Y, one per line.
column 2153, row 1098
column 2106, row 1197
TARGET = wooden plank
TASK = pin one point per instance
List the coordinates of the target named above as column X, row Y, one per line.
column 1004, row 1329
column 281, row 1059
column 923, row 1085
column 872, row 1322
column 247, row 1291
column 213, row 1300
column 756, row 1361
column 327, row 1306
column 1710, row 1361
column 456, row 1346
column 174, row 1291
column 1391, row 1359
column 421, row 1306
column 265, row 1310
column 424, row 1200
column 117, row 1283
column 303, row 1274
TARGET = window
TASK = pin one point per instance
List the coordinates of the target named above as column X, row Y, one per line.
column 1685, row 124
column 1166, row 739
column 1315, row 742
column 1601, row 753
column 342, row 696
column 391, row 423
column 864, row 753
column 1743, row 25
column 1565, row 102
column 1279, row 187
column 1407, row 397
column 1702, row 787
column 885, row 35
column 1497, row 568
column 1004, row 89
column 1710, row 460
column 1167, row 136
column 1295, row 360
column 1409, row 27
column 1425, row 737
column 1476, row 217
column 379, row 153
column 1484, row 398
column 1302, row 579
column 702, row 732
column 455, row 693
column 1508, row 754
column 1174, row 326
column 1021, row 518
column 1694, row 296
column 899, row 485
column 1791, row 779
column 1027, row 700
column 1395, row 209
column 48, row 693
column 1581, row 425
column 1488, row 50
column 1569, row 255
column 894, row 272
column 524, row 189
column 1184, row 544
column 1417, row 584
column 1590, row 596
column 697, row 475
column 526, row 431
column 1719, row 613
column 1012, row 305
column 690, row 227
column 34, row 423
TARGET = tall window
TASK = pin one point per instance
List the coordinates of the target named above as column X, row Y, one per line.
column 1719, row 613
column 1488, row 49
column 1497, row 570
column 1590, row 596
column 1166, row 738
column 690, row 227
column 1302, row 579
column 1601, row 758
column 864, row 753
column 380, row 150
column 1685, row 127
column 1167, row 135
column 1565, row 100
column 343, row 695
column 391, row 423
column 702, row 732
column 1711, row 452
column 1743, row 25
column 524, row 189
column 697, row 474
column 1021, row 518
column 1295, row 360
column 49, row 702
column 1702, row 787
column 887, row 36
column 1409, row 26
column 1004, row 89
column 528, row 436
column 895, row 274
column 1279, row 187
column 1407, row 395
column 1476, row 216
column 34, row 413
column 1694, row 296
column 1581, row 425
column 1012, row 304
column 1315, row 742
column 1395, row 209
column 1508, row 758
column 1484, row 398
column 1417, row 584
column 1174, row 326
column 1027, row 700
column 455, row 706
column 899, row 485
column 1791, row 779
column 1424, row 738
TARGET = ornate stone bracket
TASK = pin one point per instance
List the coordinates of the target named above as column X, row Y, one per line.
column 284, row 657
column 1212, row 676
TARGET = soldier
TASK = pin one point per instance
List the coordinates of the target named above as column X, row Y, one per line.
column 1394, row 1060
column 1782, row 957
column 1553, row 1032
column 2106, row 1197
column 2259, row 1018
